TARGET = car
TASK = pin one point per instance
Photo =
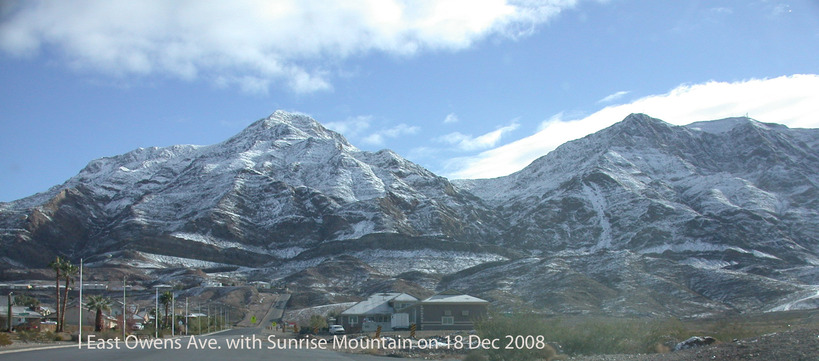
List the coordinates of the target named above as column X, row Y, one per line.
column 336, row 330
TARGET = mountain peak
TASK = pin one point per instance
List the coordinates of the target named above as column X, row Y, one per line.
column 642, row 120
column 282, row 125
column 721, row 126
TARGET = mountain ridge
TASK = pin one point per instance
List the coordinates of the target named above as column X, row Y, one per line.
column 732, row 201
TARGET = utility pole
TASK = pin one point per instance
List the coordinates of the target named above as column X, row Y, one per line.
column 173, row 312
column 79, row 344
column 186, row 316
column 156, row 312
column 11, row 300
column 124, row 323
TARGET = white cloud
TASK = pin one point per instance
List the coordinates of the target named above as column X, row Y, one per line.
column 612, row 97
column 451, row 118
column 352, row 126
column 467, row 142
column 378, row 138
column 254, row 44
column 790, row 100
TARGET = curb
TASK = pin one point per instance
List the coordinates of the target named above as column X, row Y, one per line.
column 36, row 348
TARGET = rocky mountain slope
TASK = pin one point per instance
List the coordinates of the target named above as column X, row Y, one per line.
column 640, row 218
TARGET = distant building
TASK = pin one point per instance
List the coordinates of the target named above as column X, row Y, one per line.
column 448, row 310
column 261, row 285
column 94, row 286
column 377, row 310
column 72, row 318
column 20, row 315
column 210, row 283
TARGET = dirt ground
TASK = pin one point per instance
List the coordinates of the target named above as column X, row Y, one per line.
column 795, row 345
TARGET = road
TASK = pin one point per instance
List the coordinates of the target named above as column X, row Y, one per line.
column 276, row 310
column 183, row 349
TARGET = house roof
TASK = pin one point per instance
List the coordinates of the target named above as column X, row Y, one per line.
column 20, row 311
column 377, row 304
column 449, row 297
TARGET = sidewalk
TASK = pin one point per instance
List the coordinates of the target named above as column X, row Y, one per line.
column 18, row 346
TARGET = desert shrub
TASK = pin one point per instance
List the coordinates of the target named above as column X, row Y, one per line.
column 726, row 330
column 610, row 335
column 583, row 336
column 501, row 326
column 475, row 356
column 36, row 336
column 5, row 339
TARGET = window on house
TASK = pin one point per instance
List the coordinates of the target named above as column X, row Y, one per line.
column 447, row 320
column 465, row 313
column 353, row 320
column 448, row 313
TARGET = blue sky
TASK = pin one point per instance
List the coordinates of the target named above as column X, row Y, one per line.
column 465, row 88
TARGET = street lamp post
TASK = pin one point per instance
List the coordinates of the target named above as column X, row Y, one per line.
column 11, row 300
column 156, row 313
column 124, row 306
column 173, row 313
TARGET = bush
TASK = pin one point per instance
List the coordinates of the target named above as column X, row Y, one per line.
column 612, row 336
column 5, row 339
column 36, row 336
column 501, row 326
column 586, row 336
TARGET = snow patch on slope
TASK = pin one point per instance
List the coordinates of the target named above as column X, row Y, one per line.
column 593, row 194
column 393, row 263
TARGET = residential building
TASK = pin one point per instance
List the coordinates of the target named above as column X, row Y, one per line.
column 376, row 310
column 448, row 310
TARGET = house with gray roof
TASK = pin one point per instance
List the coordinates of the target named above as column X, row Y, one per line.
column 448, row 310
column 376, row 310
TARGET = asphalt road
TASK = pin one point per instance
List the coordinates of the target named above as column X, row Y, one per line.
column 216, row 347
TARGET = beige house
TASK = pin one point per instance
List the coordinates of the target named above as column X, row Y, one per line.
column 72, row 318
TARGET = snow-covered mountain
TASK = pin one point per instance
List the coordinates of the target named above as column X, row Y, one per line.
column 726, row 209
column 642, row 217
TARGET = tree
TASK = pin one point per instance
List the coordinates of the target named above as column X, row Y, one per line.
column 56, row 265
column 98, row 303
column 318, row 322
column 69, row 271
column 26, row 300
column 165, row 299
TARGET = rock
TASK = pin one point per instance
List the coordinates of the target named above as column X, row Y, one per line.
column 695, row 341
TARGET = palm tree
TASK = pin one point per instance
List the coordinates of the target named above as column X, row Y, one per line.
column 98, row 303
column 165, row 299
column 69, row 271
column 56, row 265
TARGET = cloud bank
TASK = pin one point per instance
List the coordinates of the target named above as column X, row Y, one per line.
column 790, row 100
column 254, row 44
